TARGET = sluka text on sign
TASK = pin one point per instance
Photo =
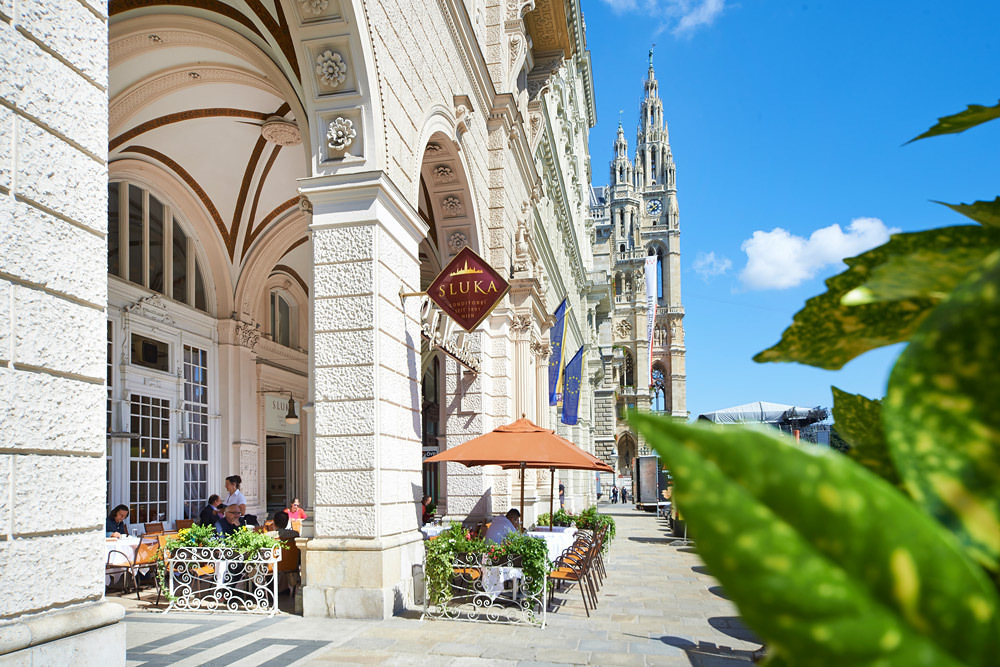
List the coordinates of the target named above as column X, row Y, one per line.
column 468, row 289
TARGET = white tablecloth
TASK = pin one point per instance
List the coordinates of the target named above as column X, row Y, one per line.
column 557, row 541
column 119, row 551
column 494, row 579
column 432, row 530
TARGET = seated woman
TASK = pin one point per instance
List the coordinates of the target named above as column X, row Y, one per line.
column 295, row 512
column 115, row 526
column 210, row 513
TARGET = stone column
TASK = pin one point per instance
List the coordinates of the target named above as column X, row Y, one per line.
column 365, row 367
column 53, row 336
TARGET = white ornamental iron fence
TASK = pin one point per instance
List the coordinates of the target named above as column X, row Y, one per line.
column 488, row 590
column 223, row 579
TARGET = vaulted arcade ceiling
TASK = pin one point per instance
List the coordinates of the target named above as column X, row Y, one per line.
column 217, row 117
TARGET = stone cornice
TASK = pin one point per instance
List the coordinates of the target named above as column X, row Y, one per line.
column 338, row 199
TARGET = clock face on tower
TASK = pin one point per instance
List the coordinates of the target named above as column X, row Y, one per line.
column 653, row 206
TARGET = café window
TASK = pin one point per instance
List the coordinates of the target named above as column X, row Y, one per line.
column 148, row 246
column 150, row 353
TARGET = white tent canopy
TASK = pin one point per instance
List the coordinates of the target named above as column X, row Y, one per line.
column 767, row 413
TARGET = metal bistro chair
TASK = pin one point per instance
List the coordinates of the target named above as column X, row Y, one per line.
column 111, row 569
column 145, row 557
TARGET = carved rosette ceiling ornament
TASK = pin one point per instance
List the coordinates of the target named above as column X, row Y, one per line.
column 623, row 328
column 457, row 241
column 444, row 174
column 281, row 131
column 452, row 206
column 331, row 68
column 340, row 133
column 314, row 7
column 433, row 147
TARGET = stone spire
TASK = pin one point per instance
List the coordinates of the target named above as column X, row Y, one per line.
column 652, row 150
column 621, row 168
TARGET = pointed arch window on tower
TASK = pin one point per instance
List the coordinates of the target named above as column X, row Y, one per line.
column 659, row 273
column 627, row 377
column 659, row 403
column 652, row 168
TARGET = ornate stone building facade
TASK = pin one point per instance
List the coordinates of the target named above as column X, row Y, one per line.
column 636, row 217
column 276, row 174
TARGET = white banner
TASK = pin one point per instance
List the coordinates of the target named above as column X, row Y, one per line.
column 650, row 310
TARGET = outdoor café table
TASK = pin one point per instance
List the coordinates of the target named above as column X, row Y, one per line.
column 116, row 551
column 556, row 541
column 431, row 530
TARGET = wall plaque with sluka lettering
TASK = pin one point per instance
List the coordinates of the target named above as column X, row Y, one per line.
column 468, row 289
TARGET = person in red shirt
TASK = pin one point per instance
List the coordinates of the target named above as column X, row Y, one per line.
column 295, row 512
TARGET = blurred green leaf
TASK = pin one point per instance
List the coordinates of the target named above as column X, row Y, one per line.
column 828, row 563
column 828, row 334
column 984, row 212
column 942, row 413
column 930, row 268
column 859, row 422
column 975, row 114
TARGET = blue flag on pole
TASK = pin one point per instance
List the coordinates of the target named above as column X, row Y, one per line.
column 555, row 360
column 571, row 391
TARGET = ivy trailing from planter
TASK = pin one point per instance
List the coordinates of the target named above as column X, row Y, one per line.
column 456, row 540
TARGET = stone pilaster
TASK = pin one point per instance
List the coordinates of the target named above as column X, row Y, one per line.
column 364, row 366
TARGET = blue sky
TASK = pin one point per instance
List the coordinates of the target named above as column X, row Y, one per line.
column 792, row 115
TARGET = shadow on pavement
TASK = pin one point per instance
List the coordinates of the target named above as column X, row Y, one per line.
column 654, row 540
column 700, row 569
column 734, row 627
column 707, row 654
column 718, row 592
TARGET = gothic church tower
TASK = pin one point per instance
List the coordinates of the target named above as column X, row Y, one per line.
column 635, row 217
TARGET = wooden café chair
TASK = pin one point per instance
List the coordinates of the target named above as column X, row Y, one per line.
column 153, row 528
column 181, row 524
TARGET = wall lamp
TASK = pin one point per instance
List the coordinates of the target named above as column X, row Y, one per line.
column 291, row 417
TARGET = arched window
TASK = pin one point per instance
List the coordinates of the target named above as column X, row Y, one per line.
column 281, row 318
column 627, row 377
column 659, row 403
column 659, row 273
column 618, row 284
column 148, row 246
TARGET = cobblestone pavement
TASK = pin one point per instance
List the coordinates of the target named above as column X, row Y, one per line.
column 658, row 606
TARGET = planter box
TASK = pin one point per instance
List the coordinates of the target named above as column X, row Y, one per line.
column 220, row 579
column 488, row 591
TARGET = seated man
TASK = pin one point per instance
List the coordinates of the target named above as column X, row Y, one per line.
column 502, row 525
column 210, row 512
column 230, row 521
column 281, row 523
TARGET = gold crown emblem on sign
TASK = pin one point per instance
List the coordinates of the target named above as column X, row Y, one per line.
column 465, row 270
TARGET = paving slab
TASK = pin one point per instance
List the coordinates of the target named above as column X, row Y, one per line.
column 658, row 605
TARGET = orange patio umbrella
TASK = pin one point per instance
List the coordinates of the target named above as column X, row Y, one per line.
column 522, row 444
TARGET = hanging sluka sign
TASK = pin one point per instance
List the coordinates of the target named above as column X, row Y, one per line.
column 468, row 289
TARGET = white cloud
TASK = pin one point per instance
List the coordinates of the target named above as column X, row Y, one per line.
column 680, row 17
column 778, row 259
column 708, row 265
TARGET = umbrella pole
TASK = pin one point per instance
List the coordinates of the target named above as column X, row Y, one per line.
column 552, row 493
column 522, row 496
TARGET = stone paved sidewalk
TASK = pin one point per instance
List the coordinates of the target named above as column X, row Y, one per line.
column 658, row 606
